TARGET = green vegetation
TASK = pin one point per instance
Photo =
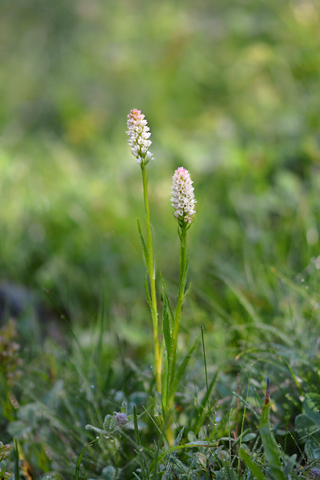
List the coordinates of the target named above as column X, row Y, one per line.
column 230, row 89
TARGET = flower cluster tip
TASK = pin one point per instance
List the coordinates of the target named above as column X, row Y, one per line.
column 139, row 136
column 182, row 198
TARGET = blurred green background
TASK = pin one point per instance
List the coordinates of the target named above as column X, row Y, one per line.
column 230, row 89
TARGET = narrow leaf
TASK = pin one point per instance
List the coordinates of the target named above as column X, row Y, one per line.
column 269, row 443
column 182, row 447
column 167, row 474
column 167, row 364
column 247, row 404
column 291, row 463
column 182, row 367
column 167, row 330
column 209, row 390
column 167, row 300
column 253, row 467
column 296, row 381
column 203, row 410
column 141, row 460
column 186, row 292
column 204, row 355
column 16, row 460
column 3, row 471
column 165, row 386
column 136, row 428
column 137, row 476
column 146, row 288
column 179, row 437
column 241, row 437
column 199, row 443
column 242, row 299
column 77, row 470
column 170, row 463
column 143, row 245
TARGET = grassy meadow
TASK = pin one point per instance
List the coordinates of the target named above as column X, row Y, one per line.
column 230, row 89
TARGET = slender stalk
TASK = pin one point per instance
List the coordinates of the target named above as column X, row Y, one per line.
column 152, row 279
column 182, row 286
column 183, row 202
column 175, row 330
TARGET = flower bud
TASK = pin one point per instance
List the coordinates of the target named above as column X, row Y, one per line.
column 121, row 419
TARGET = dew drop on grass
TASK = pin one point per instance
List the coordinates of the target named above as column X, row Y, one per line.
column 302, row 280
column 92, row 386
column 97, row 437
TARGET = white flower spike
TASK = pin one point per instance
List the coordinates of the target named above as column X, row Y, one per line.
column 182, row 198
column 139, row 135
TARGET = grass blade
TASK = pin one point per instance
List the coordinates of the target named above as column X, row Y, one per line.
column 253, row 467
column 187, row 446
column 270, row 446
column 136, row 428
column 16, row 460
column 203, row 412
column 204, row 355
column 141, row 460
column 77, row 470
column 242, row 299
column 182, row 367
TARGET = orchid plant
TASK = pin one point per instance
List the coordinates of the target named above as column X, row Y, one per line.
column 139, row 141
column 183, row 201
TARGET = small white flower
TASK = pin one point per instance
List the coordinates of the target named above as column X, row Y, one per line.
column 182, row 198
column 139, row 134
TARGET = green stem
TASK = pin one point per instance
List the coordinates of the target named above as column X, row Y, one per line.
column 177, row 315
column 152, row 279
column 182, row 286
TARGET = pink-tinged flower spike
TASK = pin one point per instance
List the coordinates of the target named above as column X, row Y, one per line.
column 139, row 135
column 183, row 197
